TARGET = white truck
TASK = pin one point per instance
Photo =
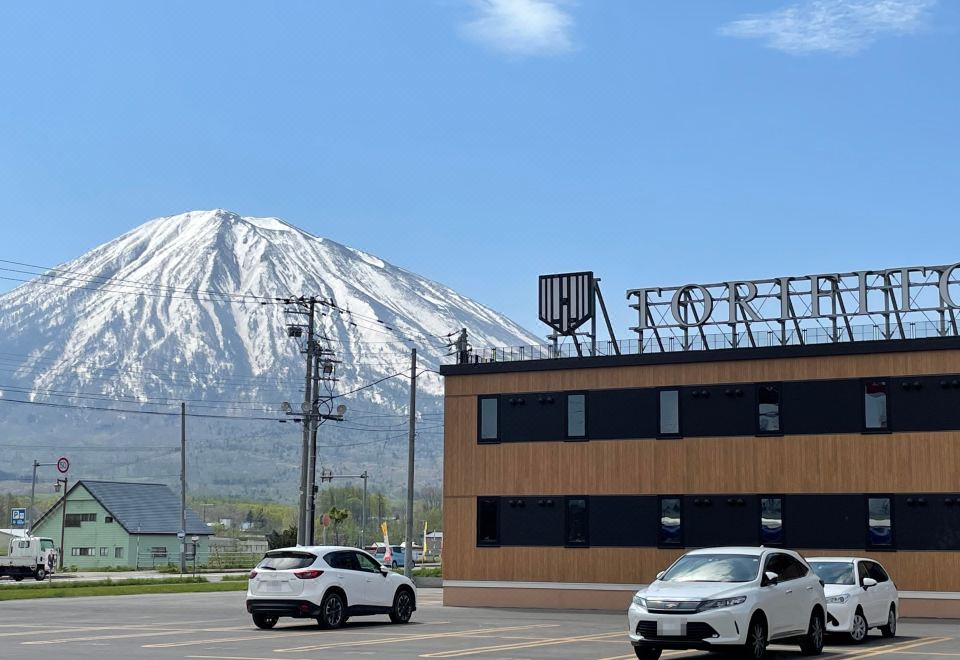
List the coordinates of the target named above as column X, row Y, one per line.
column 30, row 556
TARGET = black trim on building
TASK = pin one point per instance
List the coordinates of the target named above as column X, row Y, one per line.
column 717, row 355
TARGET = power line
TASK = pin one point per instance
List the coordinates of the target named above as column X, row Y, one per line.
column 139, row 412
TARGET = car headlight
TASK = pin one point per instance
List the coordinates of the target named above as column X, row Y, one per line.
column 639, row 600
column 838, row 600
column 721, row 602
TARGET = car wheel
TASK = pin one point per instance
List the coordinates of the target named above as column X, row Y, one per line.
column 647, row 652
column 40, row 574
column 756, row 646
column 890, row 630
column 333, row 611
column 18, row 578
column 402, row 606
column 859, row 631
column 812, row 643
column 264, row 621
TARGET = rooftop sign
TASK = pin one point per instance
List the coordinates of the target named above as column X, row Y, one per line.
column 881, row 304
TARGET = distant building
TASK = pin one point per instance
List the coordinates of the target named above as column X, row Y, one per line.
column 6, row 535
column 434, row 544
column 121, row 524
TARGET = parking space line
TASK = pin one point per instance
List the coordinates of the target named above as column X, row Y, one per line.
column 388, row 640
column 145, row 632
column 894, row 648
column 239, row 657
column 925, row 653
column 524, row 645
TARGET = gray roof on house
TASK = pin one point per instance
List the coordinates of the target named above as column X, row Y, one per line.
column 142, row 508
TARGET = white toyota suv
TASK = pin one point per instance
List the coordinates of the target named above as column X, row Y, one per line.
column 723, row 598
column 860, row 596
column 326, row 583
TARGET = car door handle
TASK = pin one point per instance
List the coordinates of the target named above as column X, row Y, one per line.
column 789, row 591
column 809, row 588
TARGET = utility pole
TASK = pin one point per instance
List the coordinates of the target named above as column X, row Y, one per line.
column 408, row 548
column 302, row 535
column 183, row 486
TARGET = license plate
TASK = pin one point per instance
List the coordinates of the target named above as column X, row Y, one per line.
column 672, row 627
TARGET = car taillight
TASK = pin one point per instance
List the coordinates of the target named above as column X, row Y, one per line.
column 308, row 574
column 253, row 574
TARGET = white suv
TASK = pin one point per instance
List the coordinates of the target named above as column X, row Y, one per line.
column 327, row 583
column 719, row 598
column 860, row 596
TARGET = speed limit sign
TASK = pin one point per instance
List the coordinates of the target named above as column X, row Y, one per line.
column 63, row 464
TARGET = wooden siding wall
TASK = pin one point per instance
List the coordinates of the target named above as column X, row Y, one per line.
column 858, row 463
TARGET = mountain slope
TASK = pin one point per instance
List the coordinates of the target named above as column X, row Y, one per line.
column 155, row 317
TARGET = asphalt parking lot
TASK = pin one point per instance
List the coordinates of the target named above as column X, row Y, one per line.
column 215, row 626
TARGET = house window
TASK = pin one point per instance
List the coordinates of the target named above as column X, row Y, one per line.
column 669, row 413
column 875, row 405
column 768, row 409
column 488, row 419
column 104, row 552
column 88, row 517
column 771, row 521
column 108, row 519
column 577, row 416
column 71, row 520
column 158, row 551
column 83, row 552
column 488, row 521
column 879, row 522
column 577, row 522
column 671, row 528
column 118, row 553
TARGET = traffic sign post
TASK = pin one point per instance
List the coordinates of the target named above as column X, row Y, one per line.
column 18, row 517
column 63, row 464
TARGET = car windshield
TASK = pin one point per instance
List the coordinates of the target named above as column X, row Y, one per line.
column 713, row 568
column 286, row 560
column 834, row 572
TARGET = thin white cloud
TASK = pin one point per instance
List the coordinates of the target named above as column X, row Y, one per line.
column 834, row 26
column 521, row 27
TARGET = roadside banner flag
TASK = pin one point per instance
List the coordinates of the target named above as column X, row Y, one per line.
column 388, row 553
column 424, row 552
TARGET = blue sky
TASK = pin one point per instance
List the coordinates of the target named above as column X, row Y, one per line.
column 483, row 142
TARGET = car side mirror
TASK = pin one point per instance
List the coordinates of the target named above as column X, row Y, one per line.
column 661, row 574
column 769, row 579
column 384, row 570
column 869, row 582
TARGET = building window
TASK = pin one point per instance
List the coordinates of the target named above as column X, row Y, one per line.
column 488, row 431
column 108, row 519
column 577, row 416
column 88, row 517
column 71, row 520
column 671, row 528
column 118, row 553
column 488, row 521
column 83, row 552
column 771, row 521
column 104, row 552
column 577, row 522
column 669, row 413
column 158, row 551
column 768, row 409
column 879, row 522
column 875, row 405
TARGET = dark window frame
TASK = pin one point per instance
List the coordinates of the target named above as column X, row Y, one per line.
column 887, row 381
column 779, row 386
column 495, row 500
column 679, row 433
column 893, row 522
column 480, row 439
column 566, row 521
column 660, row 541
column 783, row 520
column 586, row 413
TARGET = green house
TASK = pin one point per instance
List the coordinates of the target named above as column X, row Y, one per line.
column 110, row 523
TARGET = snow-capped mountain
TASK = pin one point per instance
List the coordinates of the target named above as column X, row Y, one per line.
column 183, row 308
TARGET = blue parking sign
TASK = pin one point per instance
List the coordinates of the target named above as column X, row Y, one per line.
column 18, row 517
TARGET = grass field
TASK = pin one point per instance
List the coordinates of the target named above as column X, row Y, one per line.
column 119, row 588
